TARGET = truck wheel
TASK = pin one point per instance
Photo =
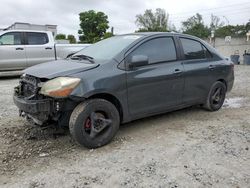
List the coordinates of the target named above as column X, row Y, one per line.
column 94, row 123
column 215, row 97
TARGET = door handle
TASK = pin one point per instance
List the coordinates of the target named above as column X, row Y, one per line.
column 177, row 71
column 211, row 67
column 48, row 48
column 19, row 48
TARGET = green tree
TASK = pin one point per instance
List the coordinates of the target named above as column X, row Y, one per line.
column 248, row 26
column 60, row 37
column 195, row 26
column 72, row 39
column 215, row 23
column 232, row 30
column 93, row 26
column 152, row 21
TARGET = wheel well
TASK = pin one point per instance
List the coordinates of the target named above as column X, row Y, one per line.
column 223, row 81
column 111, row 99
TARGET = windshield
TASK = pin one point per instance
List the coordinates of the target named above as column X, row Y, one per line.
column 108, row 48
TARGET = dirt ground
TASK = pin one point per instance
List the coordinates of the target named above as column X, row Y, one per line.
column 186, row 148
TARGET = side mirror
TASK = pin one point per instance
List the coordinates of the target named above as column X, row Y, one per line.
column 138, row 60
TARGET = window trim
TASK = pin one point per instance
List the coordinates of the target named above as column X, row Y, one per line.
column 202, row 46
column 26, row 38
column 21, row 35
column 211, row 55
column 131, row 50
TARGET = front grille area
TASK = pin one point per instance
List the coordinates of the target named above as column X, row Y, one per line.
column 29, row 86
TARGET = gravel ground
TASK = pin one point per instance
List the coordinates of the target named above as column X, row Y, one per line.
column 186, row 148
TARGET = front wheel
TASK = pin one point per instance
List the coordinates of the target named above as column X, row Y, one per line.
column 216, row 96
column 94, row 123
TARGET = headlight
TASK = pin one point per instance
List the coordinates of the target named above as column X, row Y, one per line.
column 59, row 87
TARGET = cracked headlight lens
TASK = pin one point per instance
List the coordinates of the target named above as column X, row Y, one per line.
column 59, row 87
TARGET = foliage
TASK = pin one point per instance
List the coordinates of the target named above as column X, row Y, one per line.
column 150, row 21
column 195, row 26
column 72, row 39
column 60, row 37
column 107, row 35
column 93, row 26
column 231, row 30
column 192, row 21
column 248, row 25
column 215, row 23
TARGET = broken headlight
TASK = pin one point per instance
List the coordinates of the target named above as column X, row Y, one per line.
column 59, row 87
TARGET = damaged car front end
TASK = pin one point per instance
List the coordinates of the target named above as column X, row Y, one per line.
column 44, row 91
column 45, row 101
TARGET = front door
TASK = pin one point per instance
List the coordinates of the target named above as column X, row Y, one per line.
column 159, row 85
column 12, row 51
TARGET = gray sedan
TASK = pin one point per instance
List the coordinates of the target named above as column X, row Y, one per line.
column 121, row 79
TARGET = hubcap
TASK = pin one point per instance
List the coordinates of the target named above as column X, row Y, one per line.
column 96, row 124
column 217, row 96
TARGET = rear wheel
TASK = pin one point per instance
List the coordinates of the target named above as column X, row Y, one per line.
column 216, row 96
column 94, row 123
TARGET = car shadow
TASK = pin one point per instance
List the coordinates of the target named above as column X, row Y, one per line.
column 163, row 116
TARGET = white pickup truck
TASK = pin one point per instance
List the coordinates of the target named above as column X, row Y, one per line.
column 20, row 49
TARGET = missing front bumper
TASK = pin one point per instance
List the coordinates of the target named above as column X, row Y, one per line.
column 37, row 110
column 33, row 106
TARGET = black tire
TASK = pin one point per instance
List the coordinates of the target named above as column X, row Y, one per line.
column 84, row 112
column 216, row 96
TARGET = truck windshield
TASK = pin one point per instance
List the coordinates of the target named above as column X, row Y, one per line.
column 108, row 48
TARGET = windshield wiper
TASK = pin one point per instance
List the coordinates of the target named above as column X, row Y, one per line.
column 83, row 57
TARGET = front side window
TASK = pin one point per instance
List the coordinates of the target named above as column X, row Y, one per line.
column 157, row 50
column 194, row 49
column 36, row 38
column 13, row 38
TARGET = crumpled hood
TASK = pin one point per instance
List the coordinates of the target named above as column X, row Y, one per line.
column 59, row 68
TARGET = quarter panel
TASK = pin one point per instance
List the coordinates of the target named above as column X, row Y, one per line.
column 199, row 78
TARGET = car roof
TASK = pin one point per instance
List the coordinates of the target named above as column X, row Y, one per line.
column 148, row 34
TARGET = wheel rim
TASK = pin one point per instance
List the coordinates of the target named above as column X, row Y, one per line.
column 217, row 96
column 97, row 124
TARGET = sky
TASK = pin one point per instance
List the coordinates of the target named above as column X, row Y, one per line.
column 121, row 13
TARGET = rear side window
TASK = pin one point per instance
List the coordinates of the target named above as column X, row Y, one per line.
column 13, row 38
column 36, row 38
column 158, row 50
column 194, row 49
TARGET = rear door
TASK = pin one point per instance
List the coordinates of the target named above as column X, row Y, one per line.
column 201, row 70
column 159, row 85
column 38, row 48
column 12, row 51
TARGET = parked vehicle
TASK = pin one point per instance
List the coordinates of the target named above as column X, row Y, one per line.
column 20, row 49
column 121, row 79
